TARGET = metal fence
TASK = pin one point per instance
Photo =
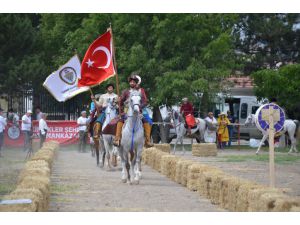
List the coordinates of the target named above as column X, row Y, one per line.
column 69, row 110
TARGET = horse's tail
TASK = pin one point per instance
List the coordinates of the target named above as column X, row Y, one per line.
column 297, row 131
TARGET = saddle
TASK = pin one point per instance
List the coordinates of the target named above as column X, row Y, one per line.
column 111, row 127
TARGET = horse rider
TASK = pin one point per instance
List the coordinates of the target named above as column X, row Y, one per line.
column 133, row 81
column 186, row 109
column 101, row 105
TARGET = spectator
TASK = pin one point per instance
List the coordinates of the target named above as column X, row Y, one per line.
column 3, row 123
column 82, row 123
column 223, row 135
column 38, row 113
column 26, row 127
column 230, row 127
column 210, row 135
column 43, row 128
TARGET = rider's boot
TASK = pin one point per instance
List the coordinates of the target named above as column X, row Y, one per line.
column 118, row 134
column 147, row 128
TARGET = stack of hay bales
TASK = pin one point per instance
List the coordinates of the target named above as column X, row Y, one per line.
column 230, row 192
column 163, row 147
column 181, row 171
column 168, row 165
column 34, row 182
column 204, row 149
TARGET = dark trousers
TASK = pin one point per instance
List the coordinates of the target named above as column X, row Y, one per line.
column 42, row 138
column 27, row 140
column 1, row 140
column 82, row 141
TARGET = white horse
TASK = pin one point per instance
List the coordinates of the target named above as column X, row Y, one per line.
column 289, row 127
column 111, row 151
column 132, row 142
column 181, row 131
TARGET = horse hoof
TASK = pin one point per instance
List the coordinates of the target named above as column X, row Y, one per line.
column 136, row 182
column 124, row 180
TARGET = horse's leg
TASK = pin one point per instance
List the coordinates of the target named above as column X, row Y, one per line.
column 96, row 141
column 107, row 152
column 291, row 134
column 127, row 168
column 261, row 142
column 123, row 163
column 138, row 162
column 132, row 165
column 174, row 149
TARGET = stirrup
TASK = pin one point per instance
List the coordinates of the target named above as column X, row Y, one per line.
column 148, row 145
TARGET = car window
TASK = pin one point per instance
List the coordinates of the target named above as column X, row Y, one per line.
column 244, row 110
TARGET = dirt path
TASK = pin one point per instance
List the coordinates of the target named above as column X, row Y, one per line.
column 78, row 185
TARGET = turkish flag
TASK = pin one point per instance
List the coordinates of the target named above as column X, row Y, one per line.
column 97, row 65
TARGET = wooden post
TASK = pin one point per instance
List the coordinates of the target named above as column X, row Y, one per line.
column 239, row 138
column 271, row 147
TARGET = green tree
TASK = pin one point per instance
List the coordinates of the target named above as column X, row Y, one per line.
column 284, row 84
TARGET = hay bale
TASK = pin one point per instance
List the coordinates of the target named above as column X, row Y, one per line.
column 184, row 171
column 36, row 164
column 158, row 159
column 37, row 182
column 33, row 172
column 287, row 204
column 204, row 183
column 163, row 147
column 204, row 149
column 46, row 155
column 255, row 198
column 217, row 188
column 35, row 195
column 168, row 165
column 242, row 203
column 229, row 192
column 179, row 169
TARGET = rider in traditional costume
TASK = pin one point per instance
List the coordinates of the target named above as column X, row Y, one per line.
column 133, row 81
column 104, row 100
column 187, row 109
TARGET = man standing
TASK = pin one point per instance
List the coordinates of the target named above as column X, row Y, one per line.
column 133, row 81
column 26, row 127
column 3, row 123
column 82, row 123
column 43, row 128
column 38, row 113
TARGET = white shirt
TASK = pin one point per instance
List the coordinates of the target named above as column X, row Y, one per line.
column 39, row 116
column 105, row 99
column 43, row 126
column 26, row 126
column 2, row 123
column 82, row 121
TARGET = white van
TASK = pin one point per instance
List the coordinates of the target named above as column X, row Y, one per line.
column 240, row 107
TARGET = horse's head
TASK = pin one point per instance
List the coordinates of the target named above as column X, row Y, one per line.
column 250, row 120
column 135, row 101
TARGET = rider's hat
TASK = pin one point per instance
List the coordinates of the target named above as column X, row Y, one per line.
column 133, row 77
column 139, row 78
column 110, row 85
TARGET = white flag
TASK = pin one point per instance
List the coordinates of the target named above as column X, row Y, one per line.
column 62, row 84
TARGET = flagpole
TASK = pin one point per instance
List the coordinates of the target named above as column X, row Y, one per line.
column 115, row 65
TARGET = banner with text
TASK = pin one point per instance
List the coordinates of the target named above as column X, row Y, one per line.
column 65, row 132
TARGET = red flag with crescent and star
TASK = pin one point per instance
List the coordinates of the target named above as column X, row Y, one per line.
column 97, row 65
